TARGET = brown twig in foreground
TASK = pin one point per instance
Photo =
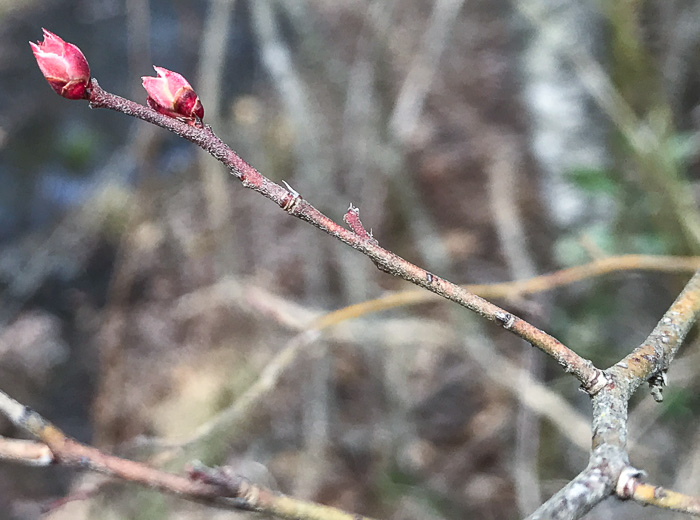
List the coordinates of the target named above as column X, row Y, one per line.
column 233, row 492
column 591, row 378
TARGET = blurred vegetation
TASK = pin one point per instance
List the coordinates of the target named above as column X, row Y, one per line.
column 157, row 291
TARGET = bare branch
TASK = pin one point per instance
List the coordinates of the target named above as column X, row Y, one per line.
column 233, row 416
column 533, row 394
column 648, row 494
column 587, row 489
column 609, row 462
column 416, row 86
column 590, row 376
column 25, row 452
column 653, row 357
column 518, row 288
column 233, row 492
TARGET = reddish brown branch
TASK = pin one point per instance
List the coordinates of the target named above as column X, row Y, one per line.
column 592, row 379
column 611, row 389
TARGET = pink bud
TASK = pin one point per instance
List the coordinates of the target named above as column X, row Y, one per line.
column 172, row 95
column 63, row 65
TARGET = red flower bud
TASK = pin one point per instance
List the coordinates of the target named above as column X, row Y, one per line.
column 63, row 65
column 172, row 95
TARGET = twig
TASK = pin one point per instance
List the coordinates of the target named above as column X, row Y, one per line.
column 654, row 355
column 530, row 392
column 416, row 87
column 631, row 486
column 590, row 377
column 25, row 452
column 234, row 415
column 225, row 425
column 233, row 492
column 513, row 242
column 212, row 56
column 83, row 493
column 609, row 458
column 228, row 290
column 518, row 288
column 586, row 490
column 608, row 471
column 403, row 122
column 311, row 126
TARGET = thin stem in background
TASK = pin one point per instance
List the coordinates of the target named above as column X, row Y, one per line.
column 512, row 239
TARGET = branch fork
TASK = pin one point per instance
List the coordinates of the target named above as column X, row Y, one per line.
column 173, row 105
column 627, row 482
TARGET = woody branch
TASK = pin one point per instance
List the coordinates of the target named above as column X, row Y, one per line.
column 590, row 377
column 609, row 471
column 220, row 487
column 174, row 105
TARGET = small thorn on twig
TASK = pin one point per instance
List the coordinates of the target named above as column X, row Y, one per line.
column 291, row 200
column 291, row 190
column 352, row 219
